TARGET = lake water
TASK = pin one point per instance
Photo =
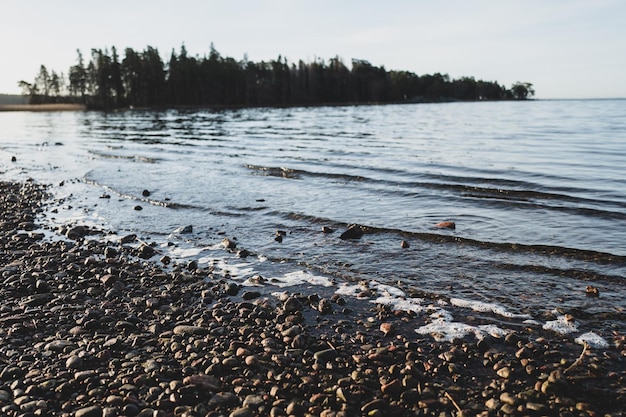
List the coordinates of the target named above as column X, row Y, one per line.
column 537, row 191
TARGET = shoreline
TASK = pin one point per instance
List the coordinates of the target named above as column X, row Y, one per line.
column 97, row 327
column 43, row 107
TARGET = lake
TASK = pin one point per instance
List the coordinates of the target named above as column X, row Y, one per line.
column 536, row 190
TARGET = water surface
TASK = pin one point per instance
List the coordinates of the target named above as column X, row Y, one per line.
column 536, row 190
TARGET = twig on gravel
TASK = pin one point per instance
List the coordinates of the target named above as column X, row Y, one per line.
column 448, row 396
column 580, row 358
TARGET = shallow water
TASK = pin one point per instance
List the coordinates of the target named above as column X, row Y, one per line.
column 536, row 190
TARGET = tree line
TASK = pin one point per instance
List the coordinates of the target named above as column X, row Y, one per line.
column 142, row 79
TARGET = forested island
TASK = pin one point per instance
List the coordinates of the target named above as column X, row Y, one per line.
column 143, row 79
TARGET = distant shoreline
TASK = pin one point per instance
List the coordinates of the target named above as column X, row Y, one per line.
column 43, row 107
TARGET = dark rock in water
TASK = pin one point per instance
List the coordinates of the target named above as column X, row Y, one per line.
column 326, row 229
column 77, row 232
column 592, row 291
column 138, row 208
column 13, row 159
column 250, row 295
column 243, row 253
column 106, row 196
column 110, row 253
column 404, row 244
column 281, row 233
column 192, row 265
column 145, row 193
column 128, row 239
column 229, row 244
column 278, row 238
column 355, row 231
column 446, row 225
column 184, row 230
column 165, row 260
column 145, row 252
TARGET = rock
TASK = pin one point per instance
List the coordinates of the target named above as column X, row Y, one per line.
column 184, row 230
column 326, row 229
column 253, row 401
column 231, row 289
column 446, row 225
column 93, row 411
column 387, row 328
column 145, row 252
column 354, row 232
column 291, row 305
column 377, row 404
column 507, row 398
column 404, row 244
column 36, row 300
column 145, row 193
column 128, row 239
column 110, row 253
column 224, row 399
column 250, row 295
column 504, row 372
column 207, row 382
column 325, row 355
column 74, row 362
column 241, row 412
column 137, row 208
column 393, row 388
column 58, row 345
column 324, row 306
column 229, row 244
column 190, row 330
column 77, row 232
column 592, row 291
column 243, row 253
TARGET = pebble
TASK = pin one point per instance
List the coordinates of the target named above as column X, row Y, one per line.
column 92, row 411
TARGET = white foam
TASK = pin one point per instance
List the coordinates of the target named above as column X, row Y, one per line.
column 301, row 277
column 355, row 289
column 185, row 252
column 444, row 330
column 592, row 340
column 486, row 307
column 350, row 290
column 561, row 325
column 402, row 304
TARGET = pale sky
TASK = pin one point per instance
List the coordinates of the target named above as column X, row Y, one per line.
column 566, row 48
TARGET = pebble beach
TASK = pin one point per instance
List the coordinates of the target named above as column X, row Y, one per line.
column 93, row 324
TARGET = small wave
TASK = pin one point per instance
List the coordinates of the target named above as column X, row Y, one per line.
column 135, row 158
